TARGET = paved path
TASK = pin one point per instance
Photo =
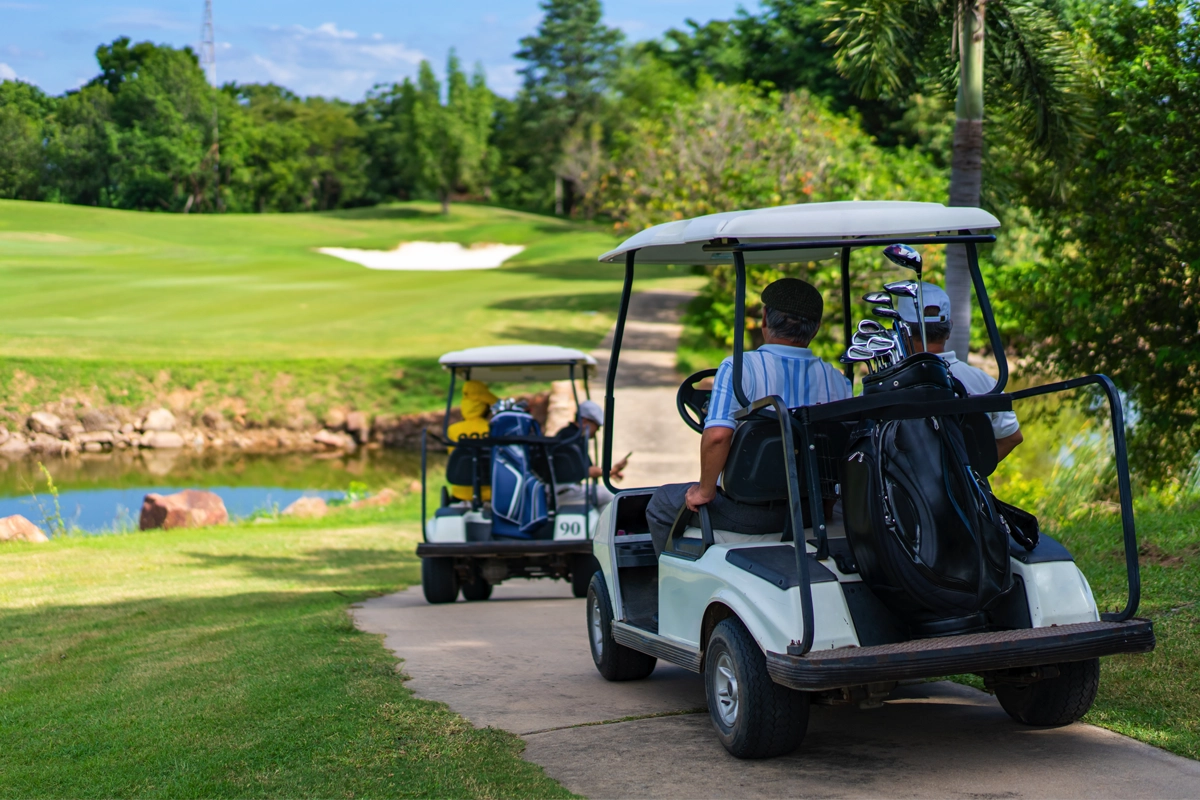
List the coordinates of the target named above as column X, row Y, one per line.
column 520, row 662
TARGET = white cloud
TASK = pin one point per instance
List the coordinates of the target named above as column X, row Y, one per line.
column 325, row 60
column 7, row 73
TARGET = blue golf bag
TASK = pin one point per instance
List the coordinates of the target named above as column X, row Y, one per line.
column 520, row 508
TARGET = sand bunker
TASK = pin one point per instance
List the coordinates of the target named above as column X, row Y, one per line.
column 428, row 256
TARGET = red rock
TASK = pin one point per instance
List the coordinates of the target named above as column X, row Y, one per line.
column 186, row 509
column 18, row 529
column 307, row 507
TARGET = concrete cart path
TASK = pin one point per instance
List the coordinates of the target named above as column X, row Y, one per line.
column 520, row 662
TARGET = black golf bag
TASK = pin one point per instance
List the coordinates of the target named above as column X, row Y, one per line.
column 920, row 519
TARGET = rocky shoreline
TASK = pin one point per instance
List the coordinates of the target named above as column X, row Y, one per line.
column 68, row 428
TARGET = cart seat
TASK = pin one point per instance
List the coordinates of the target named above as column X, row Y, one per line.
column 755, row 472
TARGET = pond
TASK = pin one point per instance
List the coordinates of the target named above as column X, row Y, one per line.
column 103, row 493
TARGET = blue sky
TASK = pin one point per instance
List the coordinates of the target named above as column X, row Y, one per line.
column 329, row 48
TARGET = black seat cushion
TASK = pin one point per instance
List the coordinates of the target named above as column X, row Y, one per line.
column 777, row 565
column 462, row 462
column 755, row 472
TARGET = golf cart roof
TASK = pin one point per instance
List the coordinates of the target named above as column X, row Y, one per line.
column 518, row 363
column 691, row 241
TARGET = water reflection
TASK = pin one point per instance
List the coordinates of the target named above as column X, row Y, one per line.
column 104, row 492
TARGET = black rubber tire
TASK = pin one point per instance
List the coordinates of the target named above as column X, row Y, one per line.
column 439, row 581
column 1053, row 701
column 583, row 567
column 615, row 662
column 478, row 589
column 769, row 720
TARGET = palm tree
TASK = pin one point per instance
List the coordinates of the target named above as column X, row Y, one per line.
column 891, row 48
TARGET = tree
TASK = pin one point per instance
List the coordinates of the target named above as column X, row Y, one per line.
column 1119, row 288
column 886, row 48
column 446, row 145
column 23, row 107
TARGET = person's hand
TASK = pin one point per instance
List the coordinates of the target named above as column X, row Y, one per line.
column 697, row 496
column 618, row 470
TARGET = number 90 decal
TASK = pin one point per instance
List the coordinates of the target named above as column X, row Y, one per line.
column 569, row 528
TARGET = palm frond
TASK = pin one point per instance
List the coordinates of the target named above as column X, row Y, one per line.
column 880, row 42
column 1036, row 67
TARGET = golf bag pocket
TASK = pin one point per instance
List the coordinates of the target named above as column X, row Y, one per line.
column 922, row 524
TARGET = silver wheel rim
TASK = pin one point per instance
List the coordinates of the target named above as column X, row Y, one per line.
column 726, row 686
column 597, row 631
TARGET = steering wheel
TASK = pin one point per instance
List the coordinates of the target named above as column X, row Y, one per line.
column 692, row 402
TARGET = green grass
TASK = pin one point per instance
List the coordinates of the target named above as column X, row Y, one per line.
column 240, row 313
column 222, row 663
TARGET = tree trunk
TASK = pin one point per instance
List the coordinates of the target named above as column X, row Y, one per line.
column 966, row 164
column 444, row 196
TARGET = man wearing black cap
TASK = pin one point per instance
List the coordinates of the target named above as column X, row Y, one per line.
column 783, row 366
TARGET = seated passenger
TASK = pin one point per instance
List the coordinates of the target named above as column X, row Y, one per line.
column 588, row 422
column 783, row 366
column 937, row 330
column 476, row 400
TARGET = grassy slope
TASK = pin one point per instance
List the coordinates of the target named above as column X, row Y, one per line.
column 222, row 663
column 240, row 311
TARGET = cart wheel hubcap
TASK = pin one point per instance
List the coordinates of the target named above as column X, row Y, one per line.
column 726, row 686
column 597, row 631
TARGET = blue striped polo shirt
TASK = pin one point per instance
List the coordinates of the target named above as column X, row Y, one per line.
column 793, row 373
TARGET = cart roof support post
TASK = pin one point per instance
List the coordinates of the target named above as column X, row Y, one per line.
column 847, row 325
column 611, row 378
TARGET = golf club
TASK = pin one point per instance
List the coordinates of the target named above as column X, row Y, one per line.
column 904, row 256
column 870, row 326
column 877, row 299
column 859, row 353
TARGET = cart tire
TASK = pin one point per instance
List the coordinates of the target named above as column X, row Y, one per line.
column 583, row 567
column 478, row 589
column 439, row 580
column 1053, row 701
column 616, row 662
column 754, row 716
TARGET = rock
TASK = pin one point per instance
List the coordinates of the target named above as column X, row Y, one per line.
column 415, row 486
column 186, row 509
column 215, row 420
column 307, row 507
column 14, row 447
column 198, row 441
column 560, row 407
column 128, row 428
column 72, row 430
column 159, row 420
column 335, row 419
column 162, row 440
column 51, row 445
column 385, row 497
column 93, row 447
column 359, row 425
column 18, row 529
column 45, row 422
column 4, row 434
column 340, row 441
column 96, row 420
column 98, row 437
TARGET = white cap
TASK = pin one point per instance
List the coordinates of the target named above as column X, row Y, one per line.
column 590, row 409
column 937, row 306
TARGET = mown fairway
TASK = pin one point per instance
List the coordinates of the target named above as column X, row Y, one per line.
column 98, row 283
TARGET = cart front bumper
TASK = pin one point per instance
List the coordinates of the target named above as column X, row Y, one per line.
column 510, row 549
column 953, row 655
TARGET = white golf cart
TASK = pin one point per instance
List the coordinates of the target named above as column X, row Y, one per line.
column 774, row 623
column 513, row 523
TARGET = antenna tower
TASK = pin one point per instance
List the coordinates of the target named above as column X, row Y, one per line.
column 208, row 63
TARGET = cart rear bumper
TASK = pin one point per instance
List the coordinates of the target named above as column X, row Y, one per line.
column 516, row 549
column 952, row 655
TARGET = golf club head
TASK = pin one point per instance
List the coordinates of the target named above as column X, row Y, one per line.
column 861, row 338
column 904, row 256
column 880, row 344
column 903, row 288
column 859, row 353
column 889, row 313
column 870, row 326
column 878, row 298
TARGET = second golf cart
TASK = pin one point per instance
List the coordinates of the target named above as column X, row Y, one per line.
column 502, row 513
column 828, row 611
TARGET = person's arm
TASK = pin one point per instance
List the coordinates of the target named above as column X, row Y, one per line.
column 714, row 450
column 1007, row 444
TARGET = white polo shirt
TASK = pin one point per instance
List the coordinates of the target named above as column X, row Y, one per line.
column 976, row 381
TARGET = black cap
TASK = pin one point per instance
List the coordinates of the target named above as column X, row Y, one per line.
column 794, row 297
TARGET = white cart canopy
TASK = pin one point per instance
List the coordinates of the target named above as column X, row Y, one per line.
column 683, row 242
column 518, row 363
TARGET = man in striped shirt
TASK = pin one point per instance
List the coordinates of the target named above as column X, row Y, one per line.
column 783, row 366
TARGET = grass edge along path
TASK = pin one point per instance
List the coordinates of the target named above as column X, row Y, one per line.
column 222, row 663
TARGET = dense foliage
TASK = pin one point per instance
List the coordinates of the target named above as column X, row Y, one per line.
column 1118, row 289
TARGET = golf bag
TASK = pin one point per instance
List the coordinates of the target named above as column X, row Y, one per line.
column 921, row 521
column 519, row 502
